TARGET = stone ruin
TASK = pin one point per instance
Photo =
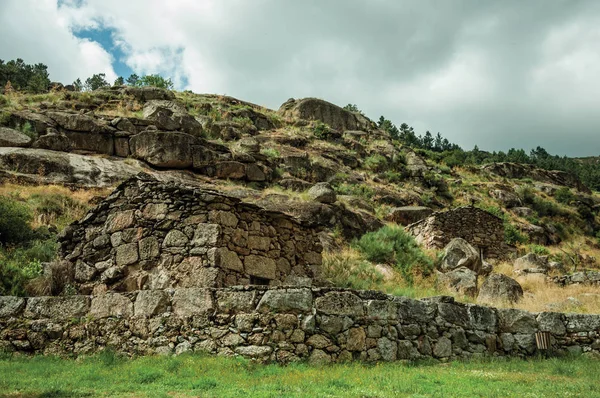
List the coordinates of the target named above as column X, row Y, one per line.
column 150, row 234
column 481, row 229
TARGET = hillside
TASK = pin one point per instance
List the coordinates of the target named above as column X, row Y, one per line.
column 332, row 169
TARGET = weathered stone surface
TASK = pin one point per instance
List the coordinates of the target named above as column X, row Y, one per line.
column 164, row 149
column 551, row 322
column 61, row 307
column 443, row 348
column 111, row 304
column 531, row 263
column 149, row 248
column 151, row 302
column 254, row 351
column 516, row 321
column 225, row 258
column 326, row 112
column 286, row 300
column 206, row 234
column 459, row 253
column 498, row 287
column 582, row 322
column 11, row 306
column 322, row 192
column 340, row 303
column 238, row 301
column 119, row 221
column 192, row 301
column 127, row 254
column 66, row 168
column 461, row 280
column 356, row 339
column 175, row 238
column 13, row 138
column 406, row 215
column 388, row 349
column 260, row 266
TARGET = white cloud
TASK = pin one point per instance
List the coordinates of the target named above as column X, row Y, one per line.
column 37, row 32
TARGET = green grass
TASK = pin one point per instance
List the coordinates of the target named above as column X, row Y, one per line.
column 187, row 376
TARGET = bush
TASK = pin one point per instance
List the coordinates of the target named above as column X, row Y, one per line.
column 512, row 235
column 19, row 266
column 539, row 250
column 376, row 163
column 321, row 131
column 270, row 153
column 346, row 269
column 392, row 245
column 541, row 206
column 564, row 195
column 360, row 190
column 14, row 221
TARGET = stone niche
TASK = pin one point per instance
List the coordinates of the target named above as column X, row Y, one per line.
column 150, row 234
column 481, row 229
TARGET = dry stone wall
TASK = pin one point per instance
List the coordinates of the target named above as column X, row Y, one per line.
column 478, row 227
column 285, row 324
column 150, row 234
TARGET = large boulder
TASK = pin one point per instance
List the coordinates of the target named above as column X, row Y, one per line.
column 37, row 121
column 459, row 253
column 500, row 288
column 41, row 165
column 506, row 196
column 531, row 263
column 149, row 93
column 54, row 141
column 164, row 148
column 406, row 215
column 13, row 138
column 461, row 280
column 322, row 192
column 316, row 109
column 171, row 115
column 79, row 122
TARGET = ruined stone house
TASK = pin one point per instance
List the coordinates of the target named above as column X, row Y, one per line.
column 150, row 234
column 481, row 229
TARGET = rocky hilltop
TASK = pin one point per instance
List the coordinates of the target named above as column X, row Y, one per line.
column 331, row 171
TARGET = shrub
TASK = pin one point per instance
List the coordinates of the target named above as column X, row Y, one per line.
column 564, row 195
column 270, row 153
column 19, row 266
column 3, row 100
column 321, row 131
column 346, row 269
column 376, row 163
column 14, row 221
column 360, row 190
column 512, row 235
column 539, row 250
column 392, row 245
column 541, row 206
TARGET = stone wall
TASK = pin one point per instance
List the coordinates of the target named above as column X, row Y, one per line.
column 481, row 229
column 285, row 324
column 150, row 234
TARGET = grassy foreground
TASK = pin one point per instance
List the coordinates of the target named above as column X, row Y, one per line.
column 109, row 376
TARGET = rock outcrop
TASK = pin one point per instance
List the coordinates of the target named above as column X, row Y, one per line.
column 519, row 171
column 499, row 288
column 335, row 117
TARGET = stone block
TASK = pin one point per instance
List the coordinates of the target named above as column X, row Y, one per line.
column 60, row 307
column 192, row 301
column 151, row 302
column 111, row 305
column 340, row 303
column 286, row 300
column 260, row 266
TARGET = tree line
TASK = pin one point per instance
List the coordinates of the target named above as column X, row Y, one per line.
column 441, row 150
column 17, row 75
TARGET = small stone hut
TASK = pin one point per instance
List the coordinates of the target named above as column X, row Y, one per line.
column 481, row 229
column 150, row 234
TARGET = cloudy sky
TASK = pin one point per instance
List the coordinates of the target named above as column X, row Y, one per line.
column 499, row 74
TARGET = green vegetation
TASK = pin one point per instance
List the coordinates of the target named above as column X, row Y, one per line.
column 185, row 376
column 392, row 245
column 376, row 163
column 321, row 130
column 270, row 153
column 17, row 75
